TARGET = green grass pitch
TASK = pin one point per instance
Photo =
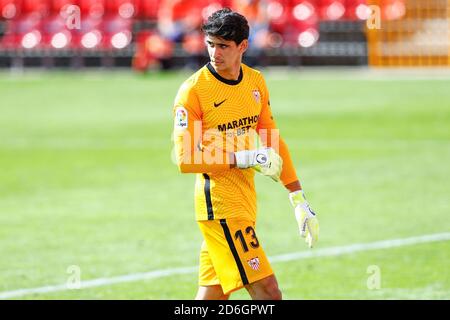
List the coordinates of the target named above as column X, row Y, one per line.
column 86, row 179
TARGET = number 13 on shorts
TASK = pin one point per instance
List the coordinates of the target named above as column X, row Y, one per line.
column 235, row 252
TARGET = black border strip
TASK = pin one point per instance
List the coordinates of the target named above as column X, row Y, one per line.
column 226, row 230
column 221, row 79
column 173, row 309
column 209, row 206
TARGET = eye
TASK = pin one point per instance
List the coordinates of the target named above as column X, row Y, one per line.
column 222, row 46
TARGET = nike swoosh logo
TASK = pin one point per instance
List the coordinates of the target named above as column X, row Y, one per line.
column 218, row 104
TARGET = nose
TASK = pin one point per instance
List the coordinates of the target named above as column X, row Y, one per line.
column 215, row 53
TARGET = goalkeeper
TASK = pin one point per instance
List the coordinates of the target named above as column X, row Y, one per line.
column 217, row 112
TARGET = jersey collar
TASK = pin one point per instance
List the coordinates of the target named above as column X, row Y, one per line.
column 227, row 81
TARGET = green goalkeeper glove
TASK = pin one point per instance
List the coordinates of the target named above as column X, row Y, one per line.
column 263, row 160
column 306, row 218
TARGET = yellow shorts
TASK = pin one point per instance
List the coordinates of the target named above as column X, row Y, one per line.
column 231, row 254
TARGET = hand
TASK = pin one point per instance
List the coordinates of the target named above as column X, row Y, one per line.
column 263, row 160
column 306, row 218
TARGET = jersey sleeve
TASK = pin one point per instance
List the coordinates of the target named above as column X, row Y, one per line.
column 270, row 136
column 187, row 133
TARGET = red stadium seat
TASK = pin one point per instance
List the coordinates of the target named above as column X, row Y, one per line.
column 23, row 33
column 293, row 23
column 92, row 8
column 147, row 9
column 356, row 10
column 304, row 23
column 40, row 7
column 331, row 9
column 89, row 36
column 393, row 9
column 278, row 14
column 57, row 5
column 123, row 8
column 9, row 9
column 116, row 26
column 209, row 7
column 55, row 34
column 304, row 12
column 116, row 32
column 57, row 28
column 23, row 29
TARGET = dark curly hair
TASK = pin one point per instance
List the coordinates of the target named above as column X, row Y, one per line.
column 228, row 25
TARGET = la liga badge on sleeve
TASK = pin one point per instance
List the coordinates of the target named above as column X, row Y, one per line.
column 181, row 118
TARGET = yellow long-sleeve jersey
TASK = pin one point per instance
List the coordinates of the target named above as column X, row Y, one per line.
column 213, row 117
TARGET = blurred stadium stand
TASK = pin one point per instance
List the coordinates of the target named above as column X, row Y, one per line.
column 166, row 33
column 414, row 33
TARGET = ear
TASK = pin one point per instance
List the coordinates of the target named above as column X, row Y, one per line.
column 243, row 46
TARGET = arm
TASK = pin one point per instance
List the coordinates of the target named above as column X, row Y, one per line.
column 188, row 136
column 269, row 133
column 305, row 216
column 294, row 186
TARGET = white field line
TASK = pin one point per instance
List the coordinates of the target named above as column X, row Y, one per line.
column 325, row 252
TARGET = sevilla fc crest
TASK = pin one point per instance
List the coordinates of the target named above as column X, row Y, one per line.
column 257, row 95
column 254, row 263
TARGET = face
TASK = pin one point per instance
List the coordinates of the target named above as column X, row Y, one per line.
column 224, row 54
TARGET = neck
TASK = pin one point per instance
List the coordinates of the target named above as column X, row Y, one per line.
column 231, row 73
column 229, row 80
